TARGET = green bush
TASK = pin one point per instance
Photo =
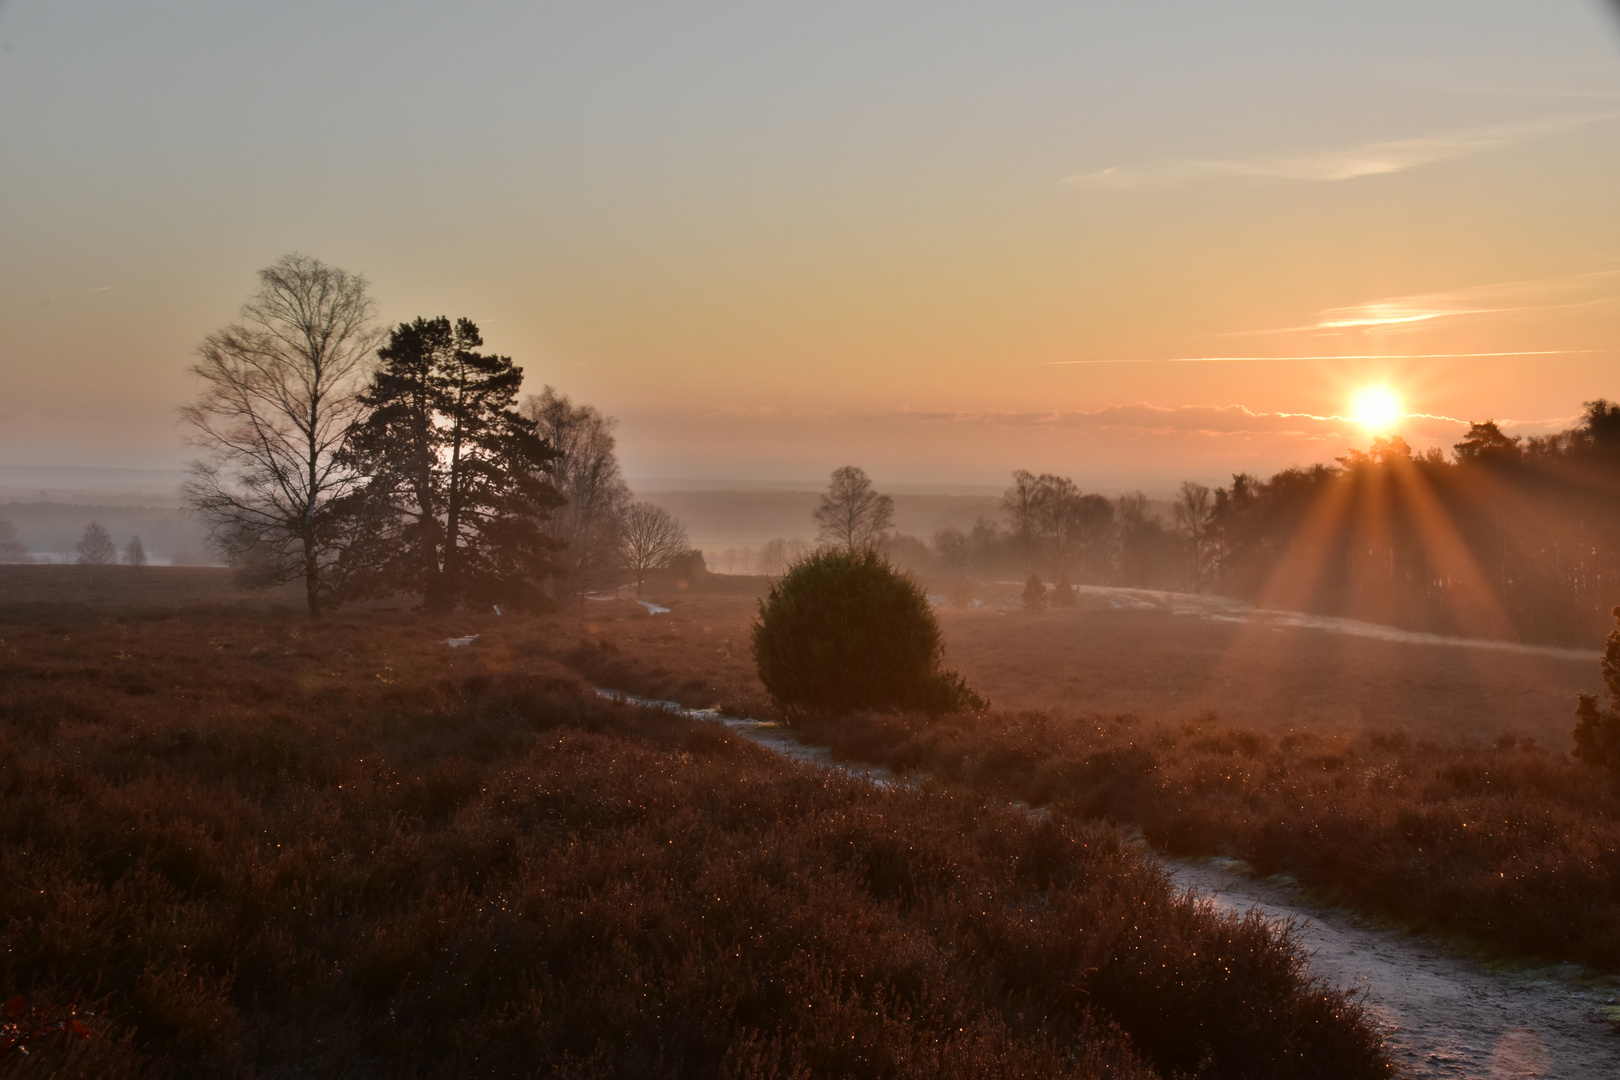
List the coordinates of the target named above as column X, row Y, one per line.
column 844, row 631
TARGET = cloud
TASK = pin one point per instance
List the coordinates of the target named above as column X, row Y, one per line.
column 1370, row 159
column 1150, row 420
column 1501, row 298
column 1323, row 356
column 1210, row 421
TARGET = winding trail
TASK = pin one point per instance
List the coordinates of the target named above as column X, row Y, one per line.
column 1444, row 1015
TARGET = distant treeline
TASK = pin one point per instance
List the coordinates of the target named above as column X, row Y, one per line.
column 1508, row 537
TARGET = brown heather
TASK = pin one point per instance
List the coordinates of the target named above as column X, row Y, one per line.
column 1452, row 806
column 240, row 844
column 1505, row 843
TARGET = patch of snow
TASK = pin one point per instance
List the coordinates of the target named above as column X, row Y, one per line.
column 458, row 642
column 652, row 608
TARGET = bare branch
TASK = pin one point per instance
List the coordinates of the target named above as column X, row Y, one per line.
column 280, row 394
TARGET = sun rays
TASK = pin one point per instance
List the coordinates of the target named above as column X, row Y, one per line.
column 1377, row 409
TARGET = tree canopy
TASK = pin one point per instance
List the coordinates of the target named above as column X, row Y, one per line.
column 851, row 514
column 457, row 487
column 279, row 398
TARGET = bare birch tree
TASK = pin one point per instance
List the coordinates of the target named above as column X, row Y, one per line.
column 280, row 395
column 1195, row 519
column 851, row 515
column 649, row 539
column 586, row 473
column 95, row 546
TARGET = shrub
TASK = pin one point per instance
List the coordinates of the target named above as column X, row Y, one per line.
column 1034, row 593
column 1063, row 594
column 1597, row 732
column 845, row 630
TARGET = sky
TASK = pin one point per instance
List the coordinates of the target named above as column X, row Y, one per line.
column 1127, row 243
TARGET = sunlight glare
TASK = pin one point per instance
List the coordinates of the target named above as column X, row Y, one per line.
column 1377, row 408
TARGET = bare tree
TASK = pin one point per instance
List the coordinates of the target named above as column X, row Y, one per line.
column 586, row 473
column 954, row 549
column 12, row 550
column 96, row 546
column 280, row 396
column 1195, row 517
column 775, row 556
column 1057, row 528
column 851, row 515
column 1022, row 504
column 649, row 539
column 134, row 552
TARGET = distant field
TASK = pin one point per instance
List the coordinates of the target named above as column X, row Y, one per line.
column 131, row 586
column 1164, row 665
column 1094, row 658
column 1155, row 663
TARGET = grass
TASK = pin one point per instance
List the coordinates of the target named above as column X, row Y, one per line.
column 1096, row 659
column 1452, row 805
column 1505, row 843
column 235, row 843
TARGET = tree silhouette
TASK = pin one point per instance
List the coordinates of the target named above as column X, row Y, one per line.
column 134, row 552
column 458, row 485
column 1194, row 513
column 95, row 546
column 851, row 515
column 586, row 473
column 1486, row 442
column 1597, row 731
column 649, row 539
column 12, row 550
column 280, row 394
column 1058, row 528
column 1034, row 595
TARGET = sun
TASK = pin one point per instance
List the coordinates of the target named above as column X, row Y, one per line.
column 1376, row 408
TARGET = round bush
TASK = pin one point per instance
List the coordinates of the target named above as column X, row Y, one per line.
column 846, row 631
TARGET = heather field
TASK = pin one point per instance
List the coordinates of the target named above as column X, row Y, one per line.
column 1428, row 783
column 236, row 843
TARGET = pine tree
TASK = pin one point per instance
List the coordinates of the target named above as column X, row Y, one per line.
column 458, row 491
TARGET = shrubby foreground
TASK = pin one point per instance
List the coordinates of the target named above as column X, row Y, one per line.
column 248, row 845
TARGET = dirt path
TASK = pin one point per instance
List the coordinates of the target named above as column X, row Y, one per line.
column 1444, row 1015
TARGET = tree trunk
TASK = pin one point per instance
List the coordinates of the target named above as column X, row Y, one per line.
column 312, row 578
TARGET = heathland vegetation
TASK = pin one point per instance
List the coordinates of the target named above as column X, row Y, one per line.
column 237, row 842
column 1502, row 838
column 243, row 843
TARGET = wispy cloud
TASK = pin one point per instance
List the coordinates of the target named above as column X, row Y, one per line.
column 1323, row 356
column 1517, row 298
column 1143, row 419
column 1369, row 159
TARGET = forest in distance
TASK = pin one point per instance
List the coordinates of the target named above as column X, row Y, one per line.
column 1506, row 538
column 365, row 462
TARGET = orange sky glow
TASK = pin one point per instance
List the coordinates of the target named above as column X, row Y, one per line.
column 1123, row 245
